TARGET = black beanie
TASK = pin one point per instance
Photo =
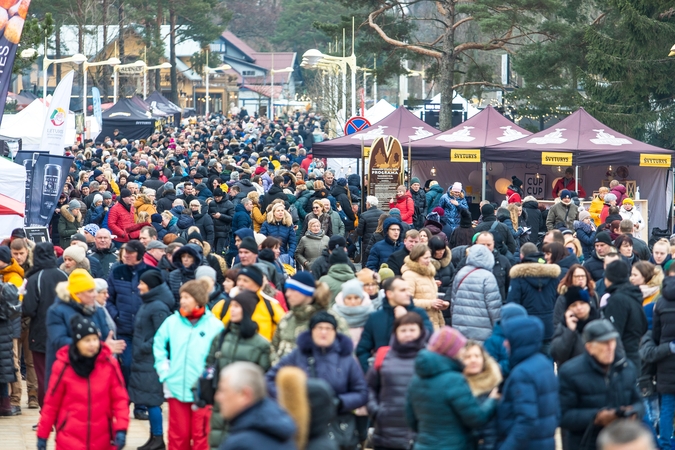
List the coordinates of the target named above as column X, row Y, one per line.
column 253, row 273
column 575, row 294
column 248, row 301
column 464, row 218
column 320, row 317
column 487, row 210
column 266, row 254
column 124, row 193
column 617, row 272
column 195, row 235
column 338, row 256
column 249, row 243
column 81, row 326
column 152, row 278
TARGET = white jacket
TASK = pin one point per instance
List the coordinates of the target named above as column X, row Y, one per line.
column 636, row 217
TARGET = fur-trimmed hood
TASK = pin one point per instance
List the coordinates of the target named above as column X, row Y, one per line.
column 425, row 271
column 444, row 261
column 535, row 270
column 66, row 213
column 141, row 200
column 482, row 383
column 78, row 265
column 286, row 221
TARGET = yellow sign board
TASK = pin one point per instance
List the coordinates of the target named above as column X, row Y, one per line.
column 464, row 155
column 556, row 159
column 366, row 152
column 654, row 160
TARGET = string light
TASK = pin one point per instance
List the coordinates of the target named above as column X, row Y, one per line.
column 537, row 175
column 432, row 172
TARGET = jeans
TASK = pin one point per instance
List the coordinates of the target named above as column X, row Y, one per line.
column 666, row 421
column 155, row 416
column 651, row 418
column 125, row 358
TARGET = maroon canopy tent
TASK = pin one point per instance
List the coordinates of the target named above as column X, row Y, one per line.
column 486, row 128
column 402, row 124
column 589, row 140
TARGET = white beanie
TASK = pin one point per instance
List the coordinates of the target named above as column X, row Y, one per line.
column 456, row 187
column 98, row 198
column 76, row 253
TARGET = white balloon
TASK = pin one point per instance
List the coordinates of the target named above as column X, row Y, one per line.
column 502, row 184
column 475, row 178
column 497, row 169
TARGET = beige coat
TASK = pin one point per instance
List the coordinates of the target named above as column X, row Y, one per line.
column 422, row 287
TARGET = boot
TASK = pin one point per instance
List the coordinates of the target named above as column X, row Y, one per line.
column 145, row 446
column 5, row 407
column 156, row 443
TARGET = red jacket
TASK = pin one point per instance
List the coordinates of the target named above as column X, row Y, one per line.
column 119, row 219
column 87, row 412
column 406, row 205
column 564, row 183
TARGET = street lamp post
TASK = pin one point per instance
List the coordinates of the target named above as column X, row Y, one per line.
column 77, row 58
column 116, row 70
column 272, row 72
column 419, row 73
column 313, row 57
column 165, row 65
column 209, row 71
column 86, row 65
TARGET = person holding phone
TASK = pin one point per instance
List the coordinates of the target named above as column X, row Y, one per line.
column 567, row 338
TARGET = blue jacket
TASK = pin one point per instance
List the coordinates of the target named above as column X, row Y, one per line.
column 124, row 298
column 452, row 214
column 586, row 236
column 262, row 426
column 433, row 197
column 241, row 218
column 289, row 240
column 529, row 411
column 440, row 407
column 381, row 251
column 494, row 345
column 378, row 328
column 335, row 365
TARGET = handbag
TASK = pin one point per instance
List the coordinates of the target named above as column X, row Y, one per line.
column 10, row 306
column 342, row 429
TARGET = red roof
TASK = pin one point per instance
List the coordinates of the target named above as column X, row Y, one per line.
column 241, row 45
column 281, row 61
column 264, row 89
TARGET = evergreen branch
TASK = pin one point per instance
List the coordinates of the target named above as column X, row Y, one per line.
column 462, row 21
column 478, row 83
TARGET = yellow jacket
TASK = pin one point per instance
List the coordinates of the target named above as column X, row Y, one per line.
column 258, row 218
column 13, row 274
column 261, row 315
column 595, row 210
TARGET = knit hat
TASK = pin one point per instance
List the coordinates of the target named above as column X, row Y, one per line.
column 446, row 341
column 565, row 194
column 341, row 182
column 395, row 212
column 603, row 237
column 198, row 290
column 217, row 192
column 338, row 257
column 487, row 210
column 101, row 284
column 464, row 218
column 80, row 281
column 617, row 272
column 78, row 237
column 302, row 282
column 516, row 181
column 456, row 187
column 322, row 317
column 510, row 310
column 529, row 198
column 438, row 210
column 156, row 218
column 91, row 228
column 628, row 201
column 98, row 198
column 253, row 273
column 135, row 246
column 248, row 243
column 74, row 204
column 205, row 271
column 81, row 326
column 152, row 278
column 124, row 193
column 97, row 173
column 414, row 180
column 575, row 294
column 260, row 170
column 385, row 272
column 107, row 195
column 336, row 241
column 195, row 235
column 248, row 300
column 584, row 215
column 76, row 253
column 352, row 287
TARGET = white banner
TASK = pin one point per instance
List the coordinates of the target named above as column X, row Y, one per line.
column 54, row 131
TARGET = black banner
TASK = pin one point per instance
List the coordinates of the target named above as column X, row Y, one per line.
column 28, row 160
column 46, row 184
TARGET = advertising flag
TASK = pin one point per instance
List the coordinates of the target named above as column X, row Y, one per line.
column 13, row 15
column 54, row 131
column 96, row 102
column 47, row 181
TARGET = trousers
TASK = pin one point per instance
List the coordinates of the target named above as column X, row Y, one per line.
column 188, row 429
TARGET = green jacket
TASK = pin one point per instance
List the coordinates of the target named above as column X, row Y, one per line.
column 255, row 349
column 337, row 275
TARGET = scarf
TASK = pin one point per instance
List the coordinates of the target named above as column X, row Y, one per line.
column 318, row 235
column 648, row 291
column 195, row 315
column 356, row 316
column 82, row 365
column 127, row 207
column 409, row 349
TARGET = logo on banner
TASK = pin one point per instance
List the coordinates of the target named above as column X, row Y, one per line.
column 655, row 160
column 463, row 155
column 556, row 159
column 554, row 137
column 420, row 133
column 58, row 117
column 510, row 135
column 371, row 134
column 463, row 135
column 602, row 138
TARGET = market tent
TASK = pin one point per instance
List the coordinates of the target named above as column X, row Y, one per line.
column 379, row 111
column 29, row 123
column 164, row 104
column 589, row 140
column 12, row 196
column 132, row 122
column 145, row 106
column 488, row 127
column 401, row 124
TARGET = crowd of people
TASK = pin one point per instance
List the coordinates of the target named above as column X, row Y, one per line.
column 219, row 268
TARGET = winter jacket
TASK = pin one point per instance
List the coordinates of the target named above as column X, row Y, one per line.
column 422, row 288
column 241, row 218
column 144, row 386
column 620, row 192
column 68, row 225
column 378, row 329
column 586, row 235
column 663, row 331
column 595, row 266
column 534, row 220
column 566, row 344
column 205, row 224
column 119, row 219
column 337, row 226
column 586, row 388
column 561, row 214
column 481, row 385
column 95, row 215
column 262, row 426
column 274, row 193
column 569, row 184
column 39, row 296
column 624, row 310
column 180, row 348
column 124, row 298
column 476, row 302
column 281, row 230
column 397, row 259
column 367, row 226
column 166, row 202
column 337, row 275
column 534, row 286
column 182, row 274
column 7, row 333
column 342, row 197
column 235, row 348
column 143, row 204
column 528, row 413
column 222, row 225
column 406, row 205
column 302, row 203
column 494, row 345
column 420, row 202
column 326, row 223
column 387, row 387
column 258, row 217
column 440, row 407
column 433, row 197
column 267, row 324
column 452, row 215
column 309, row 249
column 636, row 217
column 504, row 242
column 380, row 252
column 596, row 209
column 334, row 364
column 321, row 265
column 445, row 271
column 86, row 412
column 107, row 257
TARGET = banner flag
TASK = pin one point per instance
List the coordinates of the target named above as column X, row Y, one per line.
column 28, row 160
column 14, row 17
column 54, row 131
column 47, row 181
column 96, row 102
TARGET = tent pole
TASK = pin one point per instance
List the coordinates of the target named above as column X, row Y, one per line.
column 576, row 180
column 409, row 164
column 482, row 189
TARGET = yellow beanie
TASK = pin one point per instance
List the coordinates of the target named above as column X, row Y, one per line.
column 628, row 201
column 80, row 281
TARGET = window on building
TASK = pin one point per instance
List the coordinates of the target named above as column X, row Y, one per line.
column 248, row 73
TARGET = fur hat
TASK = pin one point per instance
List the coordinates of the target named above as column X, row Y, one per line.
column 198, row 290
column 446, row 341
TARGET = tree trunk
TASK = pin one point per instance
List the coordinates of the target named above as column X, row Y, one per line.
column 157, row 79
column 120, row 34
column 447, row 69
column 57, row 52
column 172, row 55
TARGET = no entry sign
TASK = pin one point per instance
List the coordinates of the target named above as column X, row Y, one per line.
column 355, row 124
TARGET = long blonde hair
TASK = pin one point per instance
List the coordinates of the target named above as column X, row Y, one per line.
column 513, row 211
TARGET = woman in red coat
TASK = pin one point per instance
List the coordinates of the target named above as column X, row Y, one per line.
column 86, row 402
column 404, row 203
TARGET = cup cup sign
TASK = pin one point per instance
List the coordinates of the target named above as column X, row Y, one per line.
column 535, row 186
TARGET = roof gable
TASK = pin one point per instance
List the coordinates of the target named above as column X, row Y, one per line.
column 242, row 46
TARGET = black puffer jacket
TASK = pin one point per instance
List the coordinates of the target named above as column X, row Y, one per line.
column 534, row 220
column 166, row 202
column 222, row 225
column 566, row 343
column 367, row 226
column 107, row 257
column 504, row 241
column 343, row 198
column 320, row 394
column 245, row 186
column 183, row 274
column 624, row 310
column 387, row 388
column 7, row 374
column 595, row 266
column 274, row 193
column 40, row 288
column 585, row 389
column 144, row 385
column 205, row 224
column 663, row 331
column 445, row 271
column 420, row 201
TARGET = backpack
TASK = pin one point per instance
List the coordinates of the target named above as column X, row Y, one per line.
column 10, row 306
column 293, row 210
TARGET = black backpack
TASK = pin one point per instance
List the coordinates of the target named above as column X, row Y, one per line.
column 10, row 306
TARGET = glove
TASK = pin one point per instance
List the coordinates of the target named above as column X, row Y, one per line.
column 120, row 440
column 671, row 345
column 42, row 444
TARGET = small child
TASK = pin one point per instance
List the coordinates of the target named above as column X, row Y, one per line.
column 355, row 306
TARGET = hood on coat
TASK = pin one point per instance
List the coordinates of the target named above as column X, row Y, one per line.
column 434, row 226
column 265, row 417
column 668, row 289
column 425, row 271
column 429, row 364
column 185, row 221
column 620, row 188
column 389, row 221
column 170, row 194
column 14, row 267
column 436, row 188
column 444, row 261
column 341, row 272
column 190, row 249
column 535, row 270
column 525, row 335
column 141, row 200
column 78, row 265
column 160, row 293
column 342, row 345
column 480, row 256
column 43, row 256
column 286, row 221
column 65, row 212
column 482, row 383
